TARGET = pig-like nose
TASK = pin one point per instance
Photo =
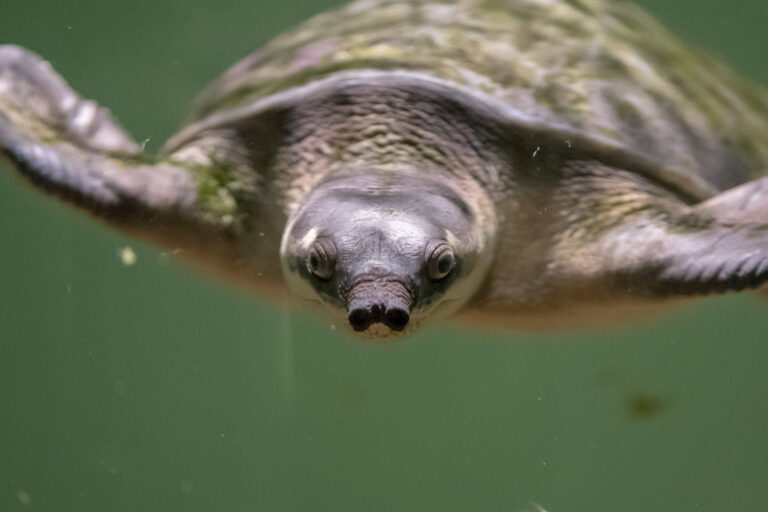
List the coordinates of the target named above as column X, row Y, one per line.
column 379, row 300
column 361, row 316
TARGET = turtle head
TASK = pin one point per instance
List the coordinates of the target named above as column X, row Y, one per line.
column 385, row 251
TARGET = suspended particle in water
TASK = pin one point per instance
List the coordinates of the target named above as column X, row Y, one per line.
column 127, row 256
column 24, row 497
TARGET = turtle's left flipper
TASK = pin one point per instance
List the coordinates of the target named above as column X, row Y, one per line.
column 644, row 241
column 73, row 149
column 666, row 258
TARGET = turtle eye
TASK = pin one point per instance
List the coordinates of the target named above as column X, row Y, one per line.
column 440, row 261
column 321, row 259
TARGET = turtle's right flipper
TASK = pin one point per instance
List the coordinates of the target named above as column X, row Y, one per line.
column 73, row 149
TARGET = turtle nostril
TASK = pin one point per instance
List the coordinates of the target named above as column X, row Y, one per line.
column 360, row 319
column 396, row 318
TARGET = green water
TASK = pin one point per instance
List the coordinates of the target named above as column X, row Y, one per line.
column 151, row 388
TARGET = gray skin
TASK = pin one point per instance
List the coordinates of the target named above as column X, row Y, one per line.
column 385, row 248
column 366, row 163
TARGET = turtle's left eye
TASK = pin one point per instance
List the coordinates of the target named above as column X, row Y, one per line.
column 321, row 259
column 440, row 261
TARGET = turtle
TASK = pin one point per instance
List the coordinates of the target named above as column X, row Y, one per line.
column 521, row 163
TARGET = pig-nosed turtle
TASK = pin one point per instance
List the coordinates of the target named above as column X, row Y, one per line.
column 517, row 161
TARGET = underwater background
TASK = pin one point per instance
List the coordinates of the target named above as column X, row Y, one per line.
column 150, row 387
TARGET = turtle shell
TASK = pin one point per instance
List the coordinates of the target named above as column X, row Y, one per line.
column 596, row 74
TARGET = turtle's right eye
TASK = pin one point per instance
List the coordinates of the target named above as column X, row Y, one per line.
column 440, row 261
column 321, row 259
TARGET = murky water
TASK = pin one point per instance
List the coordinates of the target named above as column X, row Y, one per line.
column 148, row 387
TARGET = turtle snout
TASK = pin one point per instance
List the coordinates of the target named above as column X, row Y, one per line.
column 372, row 303
column 394, row 317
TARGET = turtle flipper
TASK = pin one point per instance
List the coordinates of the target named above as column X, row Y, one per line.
column 667, row 259
column 73, row 149
column 745, row 203
column 642, row 240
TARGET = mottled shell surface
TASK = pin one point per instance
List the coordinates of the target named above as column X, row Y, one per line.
column 594, row 74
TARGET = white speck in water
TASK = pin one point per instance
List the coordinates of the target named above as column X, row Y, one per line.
column 143, row 144
column 261, row 233
column 24, row 497
column 333, row 327
column 187, row 487
column 537, row 507
column 69, row 27
column 127, row 256
column 568, row 143
column 536, row 152
column 165, row 257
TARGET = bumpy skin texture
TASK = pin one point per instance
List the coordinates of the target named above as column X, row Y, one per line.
column 589, row 147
